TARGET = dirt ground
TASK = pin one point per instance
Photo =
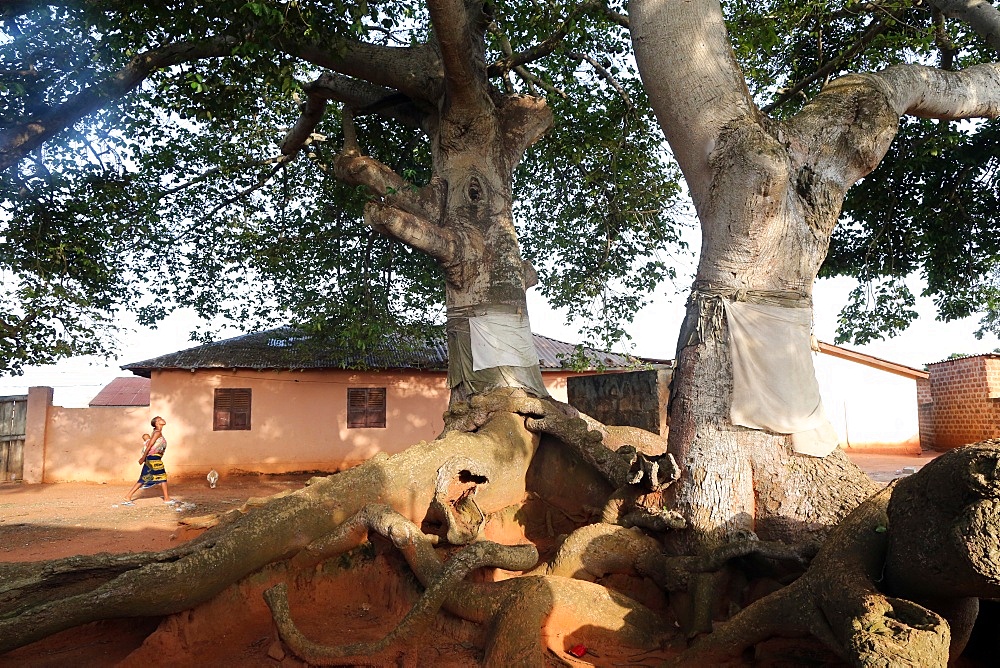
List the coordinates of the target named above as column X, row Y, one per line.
column 40, row 522
column 50, row 521
column 64, row 519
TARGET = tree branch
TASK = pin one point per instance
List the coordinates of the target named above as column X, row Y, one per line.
column 18, row 141
column 932, row 93
column 943, row 41
column 464, row 70
column 218, row 170
column 693, row 81
column 980, row 15
column 412, row 70
column 533, row 80
column 549, row 44
column 419, row 233
column 612, row 15
column 257, row 185
column 424, row 204
column 312, row 113
column 361, row 170
column 877, row 28
column 367, row 98
column 605, row 74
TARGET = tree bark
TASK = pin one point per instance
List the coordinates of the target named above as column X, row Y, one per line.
column 768, row 195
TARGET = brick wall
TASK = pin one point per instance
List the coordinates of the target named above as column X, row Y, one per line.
column 925, row 413
column 965, row 400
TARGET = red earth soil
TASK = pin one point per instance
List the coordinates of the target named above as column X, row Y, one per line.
column 360, row 596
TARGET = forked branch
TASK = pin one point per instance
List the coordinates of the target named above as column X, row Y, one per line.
column 457, row 31
column 980, row 15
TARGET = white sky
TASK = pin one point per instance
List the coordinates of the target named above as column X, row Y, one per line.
column 654, row 333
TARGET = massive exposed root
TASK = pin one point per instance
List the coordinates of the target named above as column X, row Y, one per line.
column 879, row 591
column 897, row 582
column 523, row 602
column 162, row 584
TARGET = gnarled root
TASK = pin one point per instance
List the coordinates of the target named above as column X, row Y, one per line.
column 477, row 555
column 837, row 602
column 517, row 608
column 597, row 550
column 893, row 574
column 944, row 543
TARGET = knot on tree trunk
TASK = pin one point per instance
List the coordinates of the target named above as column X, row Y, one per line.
column 469, row 416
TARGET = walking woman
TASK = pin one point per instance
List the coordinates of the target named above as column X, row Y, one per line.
column 153, row 472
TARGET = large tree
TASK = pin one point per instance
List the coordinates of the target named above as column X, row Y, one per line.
column 347, row 167
column 746, row 419
column 768, row 191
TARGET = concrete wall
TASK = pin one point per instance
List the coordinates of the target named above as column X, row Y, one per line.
column 35, row 425
column 965, row 400
column 871, row 410
column 97, row 444
column 298, row 423
column 633, row 398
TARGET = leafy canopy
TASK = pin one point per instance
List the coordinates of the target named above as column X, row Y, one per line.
column 174, row 193
column 931, row 207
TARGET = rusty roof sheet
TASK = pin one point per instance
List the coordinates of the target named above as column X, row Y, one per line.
column 123, row 391
column 286, row 348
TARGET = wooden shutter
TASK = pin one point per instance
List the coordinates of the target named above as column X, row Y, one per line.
column 232, row 409
column 240, row 412
column 376, row 407
column 365, row 407
column 223, row 400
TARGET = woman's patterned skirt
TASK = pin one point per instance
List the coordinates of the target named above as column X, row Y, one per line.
column 153, row 471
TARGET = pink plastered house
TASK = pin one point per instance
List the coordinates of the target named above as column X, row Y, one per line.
column 267, row 402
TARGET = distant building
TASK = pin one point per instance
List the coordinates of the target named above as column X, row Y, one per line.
column 871, row 403
column 124, row 391
column 266, row 402
column 960, row 402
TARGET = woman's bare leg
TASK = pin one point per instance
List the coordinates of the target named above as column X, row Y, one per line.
column 135, row 488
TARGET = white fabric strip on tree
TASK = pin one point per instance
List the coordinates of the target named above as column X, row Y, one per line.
column 501, row 339
column 774, row 382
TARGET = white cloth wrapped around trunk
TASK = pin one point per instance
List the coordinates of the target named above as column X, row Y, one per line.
column 491, row 346
column 501, row 339
column 774, row 382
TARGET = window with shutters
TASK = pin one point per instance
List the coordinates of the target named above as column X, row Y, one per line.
column 232, row 409
column 365, row 407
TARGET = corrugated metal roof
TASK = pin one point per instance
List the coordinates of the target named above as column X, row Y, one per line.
column 123, row 391
column 965, row 357
column 286, row 348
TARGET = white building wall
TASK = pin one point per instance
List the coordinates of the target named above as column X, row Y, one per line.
column 871, row 409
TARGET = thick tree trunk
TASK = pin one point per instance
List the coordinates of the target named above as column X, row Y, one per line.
column 768, row 195
column 475, row 153
column 739, row 480
column 766, row 230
